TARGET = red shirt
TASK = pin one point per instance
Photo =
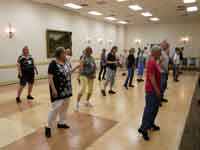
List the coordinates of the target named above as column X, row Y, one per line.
column 152, row 68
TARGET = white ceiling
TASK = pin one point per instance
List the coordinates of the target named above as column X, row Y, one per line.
column 166, row 10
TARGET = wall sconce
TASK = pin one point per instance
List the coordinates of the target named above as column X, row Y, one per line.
column 185, row 39
column 110, row 42
column 10, row 30
column 100, row 40
column 138, row 41
column 88, row 40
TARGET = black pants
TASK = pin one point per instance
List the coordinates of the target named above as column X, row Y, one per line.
column 102, row 70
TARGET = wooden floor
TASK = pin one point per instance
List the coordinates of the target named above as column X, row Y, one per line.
column 110, row 125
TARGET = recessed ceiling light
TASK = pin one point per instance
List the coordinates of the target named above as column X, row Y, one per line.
column 154, row 19
column 189, row 1
column 72, row 5
column 123, row 22
column 96, row 13
column 146, row 14
column 135, row 7
column 111, row 18
column 192, row 9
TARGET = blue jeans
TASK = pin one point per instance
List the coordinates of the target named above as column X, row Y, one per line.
column 140, row 69
column 163, row 86
column 150, row 111
column 129, row 78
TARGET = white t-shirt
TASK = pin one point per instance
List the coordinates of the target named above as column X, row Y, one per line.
column 176, row 59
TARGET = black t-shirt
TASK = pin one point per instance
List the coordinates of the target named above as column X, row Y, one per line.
column 62, row 80
column 111, row 57
column 181, row 55
column 26, row 64
column 130, row 61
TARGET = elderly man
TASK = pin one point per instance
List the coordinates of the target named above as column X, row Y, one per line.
column 153, row 95
column 164, row 65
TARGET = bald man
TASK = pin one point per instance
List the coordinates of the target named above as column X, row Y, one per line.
column 153, row 95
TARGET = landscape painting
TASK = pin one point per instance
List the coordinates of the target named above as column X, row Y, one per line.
column 56, row 39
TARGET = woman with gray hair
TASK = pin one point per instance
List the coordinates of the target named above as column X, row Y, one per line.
column 153, row 95
column 59, row 76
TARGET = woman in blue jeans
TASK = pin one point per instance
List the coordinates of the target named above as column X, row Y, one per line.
column 130, row 62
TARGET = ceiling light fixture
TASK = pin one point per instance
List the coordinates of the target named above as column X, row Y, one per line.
column 192, row 9
column 146, row 14
column 111, row 18
column 135, row 7
column 73, row 6
column 154, row 19
column 122, row 22
column 189, row 1
column 95, row 13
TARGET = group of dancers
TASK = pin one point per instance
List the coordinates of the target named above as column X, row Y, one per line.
column 60, row 71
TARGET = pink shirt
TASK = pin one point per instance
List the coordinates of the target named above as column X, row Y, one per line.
column 152, row 68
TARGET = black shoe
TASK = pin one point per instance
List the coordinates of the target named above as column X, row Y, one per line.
column 144, row 135
column 111, row 92
column 131, row 86
column 47, row 132
column 176, row 80
column 63, row 126
column 155, row 128
column 18, row 100
column 126, row 87
column 103, row 92
column 164, row 100
column 29, row 97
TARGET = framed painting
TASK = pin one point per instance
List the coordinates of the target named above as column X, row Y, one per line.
column 56, row 39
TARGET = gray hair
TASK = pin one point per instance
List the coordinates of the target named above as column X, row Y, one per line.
column 59, row 51
column 155, row 49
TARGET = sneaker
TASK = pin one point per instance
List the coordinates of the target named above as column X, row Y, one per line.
column 29, row 97
column 131, row 86
column 126, row 87
column 144, row 135
column 18, row 100
column 155, row 128
column 103, row 92
column 77, row 107
column 164, row 100
column 89, row 104
column 63, row 126
column 111, row 92
column 47, row 132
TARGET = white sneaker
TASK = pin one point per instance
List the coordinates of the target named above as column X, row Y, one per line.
column 77, row 107
column 89, row 104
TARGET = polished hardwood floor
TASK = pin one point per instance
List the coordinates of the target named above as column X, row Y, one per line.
column 110, row 125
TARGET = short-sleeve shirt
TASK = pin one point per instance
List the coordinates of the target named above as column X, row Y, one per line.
column 62, row 80
column 130, row 61
column 89, row 66
column 152, row 69
column 112, row 57
column 26, row 63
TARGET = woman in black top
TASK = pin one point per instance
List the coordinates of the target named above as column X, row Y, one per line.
column 130, row 62
column 59, row 76
column 26, row 73
column 111, row 69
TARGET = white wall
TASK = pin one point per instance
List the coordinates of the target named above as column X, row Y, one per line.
column 31, row 21
column 155, row 33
